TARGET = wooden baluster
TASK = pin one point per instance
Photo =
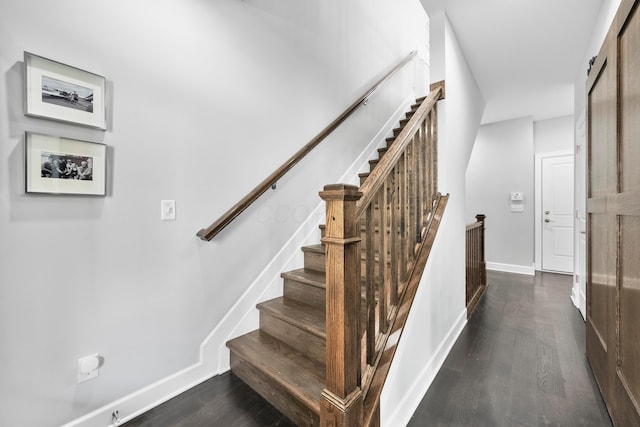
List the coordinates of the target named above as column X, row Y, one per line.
column 341, row 402
column 470, row 265
column 411, row 193
column 382, row 307
column 428, row 205
column 474, row 261
column 386, row 247
column 393, row 239
column 433, row 145
column 403, row 218
column 481, row 261
column 416, row 192
column 421, row 167
column 429, row 160
column 370, row 285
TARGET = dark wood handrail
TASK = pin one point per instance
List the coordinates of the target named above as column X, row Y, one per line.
column 215, row 228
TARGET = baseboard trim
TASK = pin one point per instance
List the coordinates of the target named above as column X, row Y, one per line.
column 243, row 316
column 511, row 268
column 578, row 299
column 140, row 401
column 413, row 396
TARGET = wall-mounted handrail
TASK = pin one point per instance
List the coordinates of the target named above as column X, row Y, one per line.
column 215, row 228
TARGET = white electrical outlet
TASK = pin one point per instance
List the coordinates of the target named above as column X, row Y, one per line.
column 89, row 367
column 167, row 210
column 517, row 208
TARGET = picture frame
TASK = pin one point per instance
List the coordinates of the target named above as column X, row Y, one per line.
column 59, row 92
column 58, row 165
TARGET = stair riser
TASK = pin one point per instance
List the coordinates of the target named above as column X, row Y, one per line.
column 311, row 345
column 304, row 293
column 274, row 394
column 315, row 261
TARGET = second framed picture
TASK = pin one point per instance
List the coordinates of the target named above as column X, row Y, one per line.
column 56, row 165
column 60, row 92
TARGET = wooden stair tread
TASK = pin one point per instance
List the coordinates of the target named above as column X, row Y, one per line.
column 309, row 277
column 290, row 369
column 319, row 248
column 303, row 316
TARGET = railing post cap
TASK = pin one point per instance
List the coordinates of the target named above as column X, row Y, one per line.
column 341, row 192
column 480, row 217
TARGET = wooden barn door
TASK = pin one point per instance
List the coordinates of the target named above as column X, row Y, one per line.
column 613, row 222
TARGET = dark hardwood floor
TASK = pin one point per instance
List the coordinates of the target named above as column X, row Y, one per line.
column 520, row 361
column 223, row 400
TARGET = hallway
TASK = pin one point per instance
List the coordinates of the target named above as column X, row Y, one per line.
column 520, row 361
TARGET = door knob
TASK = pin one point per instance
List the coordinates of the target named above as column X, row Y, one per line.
column 547, row 220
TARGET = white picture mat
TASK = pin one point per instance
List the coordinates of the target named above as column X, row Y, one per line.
column 36, row 145
column 36, row 67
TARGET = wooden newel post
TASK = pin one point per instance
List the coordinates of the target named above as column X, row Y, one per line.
column 483, row 264
column 341, row 402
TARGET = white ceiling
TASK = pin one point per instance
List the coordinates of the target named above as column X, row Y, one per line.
column 525, row 54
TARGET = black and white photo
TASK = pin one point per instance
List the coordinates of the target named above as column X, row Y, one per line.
column 57, row 165
column 60, row 92
column 69, row 166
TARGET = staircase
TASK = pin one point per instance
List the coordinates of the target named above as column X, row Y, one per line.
column 285, row 360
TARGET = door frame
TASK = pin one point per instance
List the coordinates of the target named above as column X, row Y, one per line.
column 579, row 290
column 537, row 227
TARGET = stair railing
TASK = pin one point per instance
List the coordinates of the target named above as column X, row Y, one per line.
column 270, row 182
column 476, row 268
column 377, row 241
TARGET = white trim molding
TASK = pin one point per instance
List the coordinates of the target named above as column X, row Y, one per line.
column 511, row 268
column 579, row 299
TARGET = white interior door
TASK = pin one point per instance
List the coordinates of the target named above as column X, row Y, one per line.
column 557, row 214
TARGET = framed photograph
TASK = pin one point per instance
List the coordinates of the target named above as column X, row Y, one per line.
column 59, row 92
column 56, row 165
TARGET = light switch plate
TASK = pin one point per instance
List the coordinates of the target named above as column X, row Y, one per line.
column 517, row 208
column 168, row 210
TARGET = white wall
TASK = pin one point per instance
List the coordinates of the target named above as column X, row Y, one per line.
column 205, row 99
column 553, row 135
column 438, row 313
column 503, row 162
